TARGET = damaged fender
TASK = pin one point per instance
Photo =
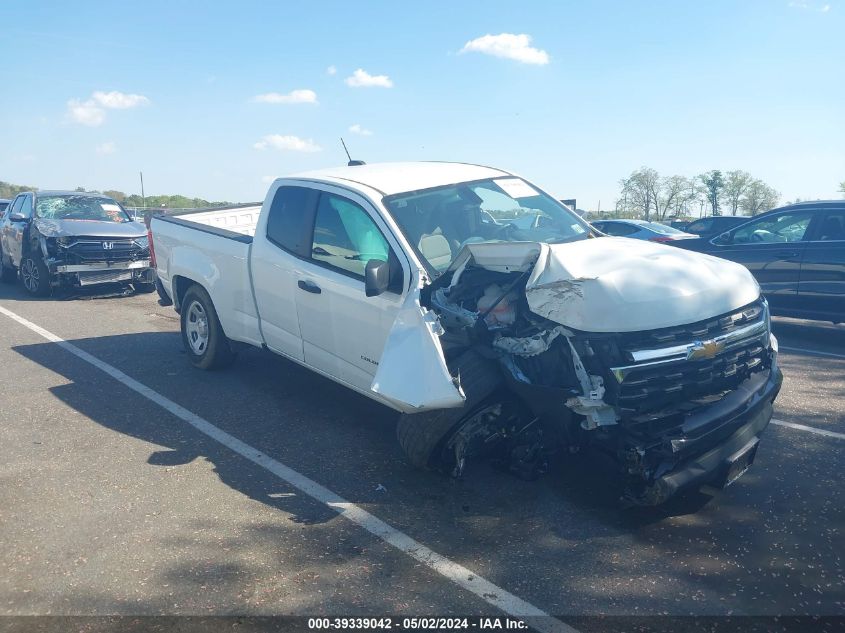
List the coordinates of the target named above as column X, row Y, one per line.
column 412, row 373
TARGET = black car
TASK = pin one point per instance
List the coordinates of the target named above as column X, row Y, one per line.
column 714, row 225
column 4, row 204
column 797, row 254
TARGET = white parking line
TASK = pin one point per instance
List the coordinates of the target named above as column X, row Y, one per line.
column 809, row 429
column 458, row 574
column 811, row 352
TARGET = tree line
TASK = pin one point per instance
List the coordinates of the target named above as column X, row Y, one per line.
column 9, row 190
column 647, row 194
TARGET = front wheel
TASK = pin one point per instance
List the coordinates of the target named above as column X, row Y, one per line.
column 35, row 276
column 202, row 335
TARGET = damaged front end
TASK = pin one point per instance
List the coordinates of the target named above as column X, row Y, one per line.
column 82, row 260
column 673, row 405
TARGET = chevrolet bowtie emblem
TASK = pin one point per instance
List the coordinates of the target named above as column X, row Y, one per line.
column 704, row 349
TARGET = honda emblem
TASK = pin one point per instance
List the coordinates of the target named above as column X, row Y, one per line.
column 107, row 246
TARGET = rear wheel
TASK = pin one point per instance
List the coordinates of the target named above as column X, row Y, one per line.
column 35, row 276
column 203, row 336
column 424, row 437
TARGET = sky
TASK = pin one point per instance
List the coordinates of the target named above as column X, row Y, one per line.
column 214, row 100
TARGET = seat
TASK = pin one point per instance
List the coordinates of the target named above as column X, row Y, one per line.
column 832, row 229
column 435, row 248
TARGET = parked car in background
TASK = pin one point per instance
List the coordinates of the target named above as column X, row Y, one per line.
column 797, row 254
column 681, row 225
column 490, row 337
column 641, row 230
column 4, row 204
column 69, row 238
column 715, row 225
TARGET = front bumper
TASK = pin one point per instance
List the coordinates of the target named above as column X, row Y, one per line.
column 737, row 420
column 100, row 266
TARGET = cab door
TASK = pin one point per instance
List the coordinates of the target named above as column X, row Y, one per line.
column 344, row 331
column 281, row 243
column 14, row 232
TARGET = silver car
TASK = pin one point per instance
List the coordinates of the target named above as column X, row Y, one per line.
column 641, row 230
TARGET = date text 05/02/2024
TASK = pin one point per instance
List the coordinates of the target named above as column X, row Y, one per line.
column 421, row 623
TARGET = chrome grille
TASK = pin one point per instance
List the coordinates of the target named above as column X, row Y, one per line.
column 660, row 377
column 104, row 249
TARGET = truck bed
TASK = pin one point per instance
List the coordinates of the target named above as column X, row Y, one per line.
column 211, row 248
column 240, row 220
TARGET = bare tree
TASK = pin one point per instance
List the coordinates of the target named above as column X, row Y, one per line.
column 671, row 195
column 736, row 182
column 758, row 197
column 639, row 191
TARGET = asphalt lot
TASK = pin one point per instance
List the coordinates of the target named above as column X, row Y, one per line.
column 110, row 504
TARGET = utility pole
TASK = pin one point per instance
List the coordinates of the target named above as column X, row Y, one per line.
column 143, row 197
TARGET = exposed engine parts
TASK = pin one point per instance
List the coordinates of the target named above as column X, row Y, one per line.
column 632, row 395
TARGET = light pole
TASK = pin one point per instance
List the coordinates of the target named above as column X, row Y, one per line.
column 143, row 197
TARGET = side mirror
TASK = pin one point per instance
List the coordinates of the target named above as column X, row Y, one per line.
column 376, row 277
column 724, row 238
column 18, row 217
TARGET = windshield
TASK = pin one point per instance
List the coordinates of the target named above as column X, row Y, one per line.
column 80, row 207
column 440, row 221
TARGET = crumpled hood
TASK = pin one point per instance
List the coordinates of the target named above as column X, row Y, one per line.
column 617, row 284
column 88, row 228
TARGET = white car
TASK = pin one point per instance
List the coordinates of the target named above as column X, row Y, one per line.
column 406, row 282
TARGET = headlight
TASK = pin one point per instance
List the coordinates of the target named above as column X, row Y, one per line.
column 143, row 242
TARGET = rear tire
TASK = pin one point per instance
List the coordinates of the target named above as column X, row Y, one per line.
column 35, row 276
column 422, row 436
column 202, row 335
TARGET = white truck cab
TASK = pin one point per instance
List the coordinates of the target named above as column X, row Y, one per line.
column 481, row 308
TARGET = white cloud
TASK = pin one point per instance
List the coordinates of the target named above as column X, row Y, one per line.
column 509, row 46
column 289, row 143
column 86, row 112
column 362, row 79
column 92, row 112
column 358, row 129
column 809, row 6
column 294, row 96
column 106, row 148
column 119, row 100
column 331, row 70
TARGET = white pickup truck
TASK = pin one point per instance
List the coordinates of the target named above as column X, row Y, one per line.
column 493, row 318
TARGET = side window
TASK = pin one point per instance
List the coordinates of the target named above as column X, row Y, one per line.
column 26, row 206
column 345, row 236
column 16, row 205
column 700, row 226
column 619, row 230
column 832, row 227
column 784, row 227
column 288, row 218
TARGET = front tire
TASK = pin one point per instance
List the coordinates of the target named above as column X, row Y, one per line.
column 144, row 289
column 423, row 436
column 202, row 335
column 35, row 277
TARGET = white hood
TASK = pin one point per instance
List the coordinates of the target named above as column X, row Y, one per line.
column 617, row 284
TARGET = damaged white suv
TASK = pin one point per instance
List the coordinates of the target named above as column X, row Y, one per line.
column 496, row 320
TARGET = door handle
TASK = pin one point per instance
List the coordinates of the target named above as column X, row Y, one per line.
column 309, row 286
